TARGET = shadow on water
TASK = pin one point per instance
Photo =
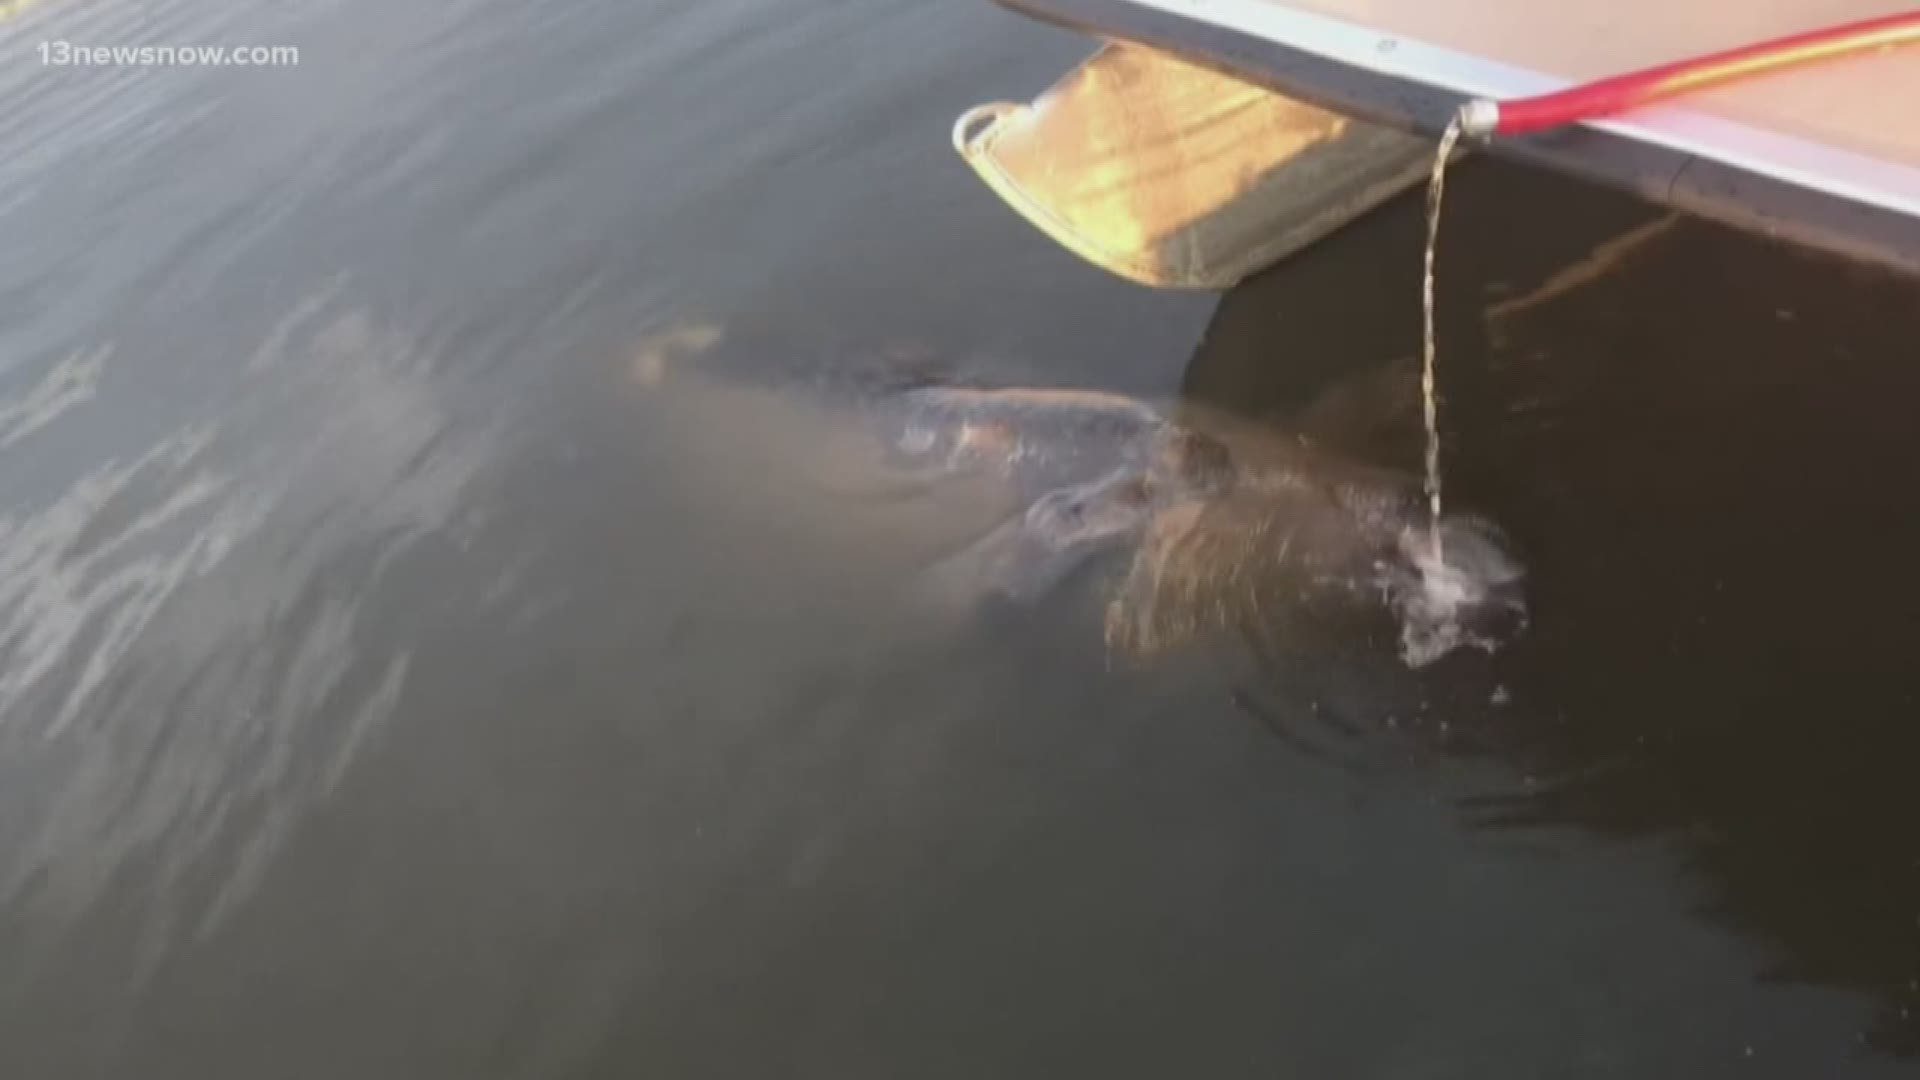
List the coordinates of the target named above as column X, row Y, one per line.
column 1697, row 439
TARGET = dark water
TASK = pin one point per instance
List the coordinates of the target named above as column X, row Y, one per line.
column 393, row 683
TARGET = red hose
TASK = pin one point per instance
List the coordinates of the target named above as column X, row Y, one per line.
column 1606, row 97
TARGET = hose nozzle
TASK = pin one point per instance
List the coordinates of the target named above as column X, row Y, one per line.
column 1479, row 118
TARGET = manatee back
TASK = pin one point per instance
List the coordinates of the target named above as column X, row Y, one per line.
column 1041, row 440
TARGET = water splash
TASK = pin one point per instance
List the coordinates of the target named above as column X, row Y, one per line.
column 1472, row 600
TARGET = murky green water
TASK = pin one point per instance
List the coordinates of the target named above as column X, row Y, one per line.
column 395, row 682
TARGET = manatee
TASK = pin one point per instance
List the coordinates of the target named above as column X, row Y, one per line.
column 1226, row 522
column 1099, row 482
column 1297, row 536
column 1211, row 521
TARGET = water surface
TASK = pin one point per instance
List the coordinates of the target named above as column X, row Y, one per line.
column 393, row 683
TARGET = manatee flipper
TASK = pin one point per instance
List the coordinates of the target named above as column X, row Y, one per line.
column 1034, row 551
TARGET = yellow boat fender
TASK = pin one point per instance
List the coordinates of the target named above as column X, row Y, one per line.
column 1176, row 176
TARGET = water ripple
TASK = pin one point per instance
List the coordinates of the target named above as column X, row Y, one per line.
column 187, row 645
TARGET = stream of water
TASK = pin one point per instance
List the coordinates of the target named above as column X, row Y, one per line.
column 1429, row 392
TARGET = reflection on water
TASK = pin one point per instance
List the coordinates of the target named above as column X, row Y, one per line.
column 403, row 674
column 185, row 663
